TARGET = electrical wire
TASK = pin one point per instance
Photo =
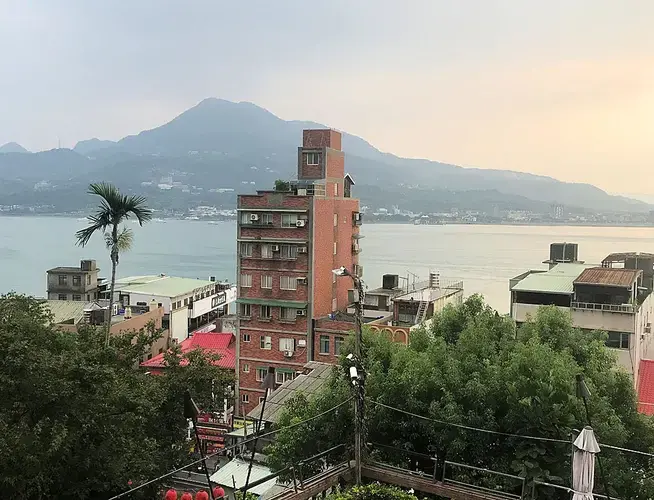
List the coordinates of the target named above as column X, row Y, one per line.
column 467, row 427
column 228, row 448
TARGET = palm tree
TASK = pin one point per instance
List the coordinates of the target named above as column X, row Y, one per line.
column 114, row 209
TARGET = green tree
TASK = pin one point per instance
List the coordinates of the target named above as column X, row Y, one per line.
column 77, row 420
column 373, row 491
column 474, row 368
column 113, row 211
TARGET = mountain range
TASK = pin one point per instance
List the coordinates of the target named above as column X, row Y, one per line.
column 218, row 146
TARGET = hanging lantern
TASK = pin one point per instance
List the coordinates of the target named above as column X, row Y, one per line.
column 171, row 495
column 187, row 496
column 218, row 492
column 202, row 495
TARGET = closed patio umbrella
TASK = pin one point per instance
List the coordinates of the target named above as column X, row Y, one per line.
column 583, row 465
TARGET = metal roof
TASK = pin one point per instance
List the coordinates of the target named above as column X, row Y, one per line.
column 606, row 276
column 622, row 256
column 309, row 383
column 66, row 310
column 160, row 286
column 558, row 280
column 234, row 474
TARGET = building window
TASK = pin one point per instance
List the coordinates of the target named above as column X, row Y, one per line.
column 245, row 398
column 261, row 374
column 338, row 345
column 335, row 220
column 246, row 249
column 324, row 344
column 266, row 219
column 283, row 376
column 244, row 310
column 77, row 280
column 288, row 314
column 63, row 280
column 245, row 217
column 287, row 345
column 288, row 283
column 288, row 252
column 265, row 312
column 246, row 337
column 266, row 281
column 88, row 279
column 336, row 189
column 63, row 296
column 246, row 280
column 313, row 158
column 618, row 340
column 334, row 248
column 289, row 220
column 261, row 398
column 265, row 342
column 334, row 304
column 77, row 297
column 186, row 302
column 246, row 368
column 266, row 252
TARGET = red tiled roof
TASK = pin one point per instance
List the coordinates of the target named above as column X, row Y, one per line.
column 646, row 387
column 214, row 343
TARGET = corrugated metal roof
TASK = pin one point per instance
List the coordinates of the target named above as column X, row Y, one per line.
column 66, row 310
column 308, row 384
column 558, row 280
column 646, row 387
column 212, row 343
column 235, row 473
column 160, row 286
column 608, row 277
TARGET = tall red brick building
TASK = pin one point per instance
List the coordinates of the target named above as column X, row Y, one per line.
column 289, row 241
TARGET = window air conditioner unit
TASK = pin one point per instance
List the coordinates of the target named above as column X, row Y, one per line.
column 301, row 249
column 275, row 248
column 302, row 280
column 254, row 217
column 288, row 354
column 300, row 223
column 301, row 312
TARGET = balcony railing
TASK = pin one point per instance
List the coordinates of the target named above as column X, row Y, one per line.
column 620, row 308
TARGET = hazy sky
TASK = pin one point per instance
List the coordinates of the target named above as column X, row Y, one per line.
column 557, row 87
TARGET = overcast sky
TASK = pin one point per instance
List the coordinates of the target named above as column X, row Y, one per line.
column 557, row 87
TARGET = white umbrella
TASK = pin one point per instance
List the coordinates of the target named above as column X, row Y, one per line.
column 583, row 465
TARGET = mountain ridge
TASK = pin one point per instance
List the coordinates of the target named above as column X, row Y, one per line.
column 13, row 147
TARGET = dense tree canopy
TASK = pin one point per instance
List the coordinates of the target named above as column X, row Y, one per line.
column 77, row 420
column 474, row 368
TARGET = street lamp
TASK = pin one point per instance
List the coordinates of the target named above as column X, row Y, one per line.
column 358, row 378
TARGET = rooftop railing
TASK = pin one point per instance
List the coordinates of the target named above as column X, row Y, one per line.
column 619, row 308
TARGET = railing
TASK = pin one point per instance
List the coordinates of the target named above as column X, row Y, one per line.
column 541, row 486
column 621, row 308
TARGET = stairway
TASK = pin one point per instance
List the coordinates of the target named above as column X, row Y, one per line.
column 422, row 312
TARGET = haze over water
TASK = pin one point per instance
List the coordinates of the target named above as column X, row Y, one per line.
column 484, row 257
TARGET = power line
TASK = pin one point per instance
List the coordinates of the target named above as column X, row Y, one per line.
column 228, row 448
column 477, row 429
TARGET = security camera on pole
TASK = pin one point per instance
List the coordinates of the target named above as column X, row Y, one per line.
column 357, row 374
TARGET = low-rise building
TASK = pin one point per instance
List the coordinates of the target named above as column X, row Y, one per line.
column 613, row 299
column 74, row 283
column 189, row 304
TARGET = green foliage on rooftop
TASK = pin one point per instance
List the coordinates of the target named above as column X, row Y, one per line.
column 374, row 491
column 77, row 420
column 473, row 367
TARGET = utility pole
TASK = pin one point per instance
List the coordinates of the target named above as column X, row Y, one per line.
column 360, row 382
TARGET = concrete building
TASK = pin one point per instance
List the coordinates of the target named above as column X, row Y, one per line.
column 189, row 304
column 73, row 283
column 289, row 241
column 617, row 300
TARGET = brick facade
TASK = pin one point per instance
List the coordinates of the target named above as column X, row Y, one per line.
column 323, row 242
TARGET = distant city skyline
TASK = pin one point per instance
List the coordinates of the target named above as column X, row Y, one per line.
column 558, row 88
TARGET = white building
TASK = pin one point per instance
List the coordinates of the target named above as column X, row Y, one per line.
column 189, row 304
column 615, row 300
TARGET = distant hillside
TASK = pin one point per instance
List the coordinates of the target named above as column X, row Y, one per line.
column 219, row 145
column 13, row 147
column 90, row 145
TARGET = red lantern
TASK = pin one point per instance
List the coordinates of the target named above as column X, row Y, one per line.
column 218, row 492
column 171, row 495
column 202, row 495
column 187, row 496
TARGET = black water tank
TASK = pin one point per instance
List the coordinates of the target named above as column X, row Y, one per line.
column 564, row 252
column 390, row 281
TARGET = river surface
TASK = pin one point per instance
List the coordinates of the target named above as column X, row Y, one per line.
column 484, row 257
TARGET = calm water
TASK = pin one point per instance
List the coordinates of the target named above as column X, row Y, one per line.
column 484, row 257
